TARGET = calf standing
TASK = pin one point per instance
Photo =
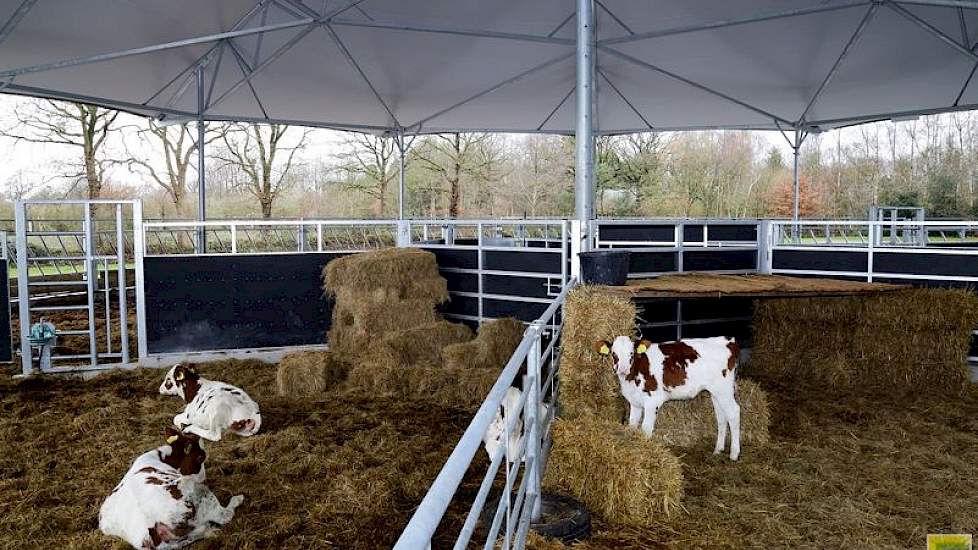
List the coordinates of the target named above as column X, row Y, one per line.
column 212, row 407
column 161, row 502
column 651, row 374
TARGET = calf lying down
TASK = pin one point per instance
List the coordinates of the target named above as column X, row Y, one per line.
column 651, row 374
column 493, row 438
column 212, row 407
column 162, row 502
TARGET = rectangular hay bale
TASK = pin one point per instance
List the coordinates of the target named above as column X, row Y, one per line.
column 687, row 423
column 309, row 373
column 624, row 477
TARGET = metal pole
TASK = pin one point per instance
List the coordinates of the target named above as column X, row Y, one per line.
column 201, row 178
column 531, row 430
column 400, row 178
column 23, row 297
column 794, row 208
column 584, row 167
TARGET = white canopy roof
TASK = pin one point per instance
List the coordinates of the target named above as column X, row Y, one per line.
column 504, row 65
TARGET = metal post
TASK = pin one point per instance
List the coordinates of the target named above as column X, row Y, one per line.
column 531, row 419
column 139, row 249
column 23, row 299
column 91, row 273
column 584, row 166
column 400, row 177
column 201, row 178
column 794, row 207
column 121, row 281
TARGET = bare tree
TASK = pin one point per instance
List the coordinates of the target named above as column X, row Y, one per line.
column 371, row 164
column 86, row 127
column 452, row 156
column 257, row 151
column 176, row 148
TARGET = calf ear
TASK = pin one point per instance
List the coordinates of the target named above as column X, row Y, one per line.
column 170, row 434
column 642, row 346
column 603, row 347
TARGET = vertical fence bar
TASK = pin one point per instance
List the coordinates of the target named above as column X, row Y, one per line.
column 121, row 280
column 481, row 252
column 234, row 238
column 678, row 236
column 319, row 237
column 531, row 429
column 873, row 230
column 91, row 266
column 108, row 306
column 23, row 299
column 139, row 248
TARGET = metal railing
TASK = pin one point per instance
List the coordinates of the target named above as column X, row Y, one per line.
column 523, row 466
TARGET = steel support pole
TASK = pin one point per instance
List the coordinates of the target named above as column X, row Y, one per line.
column 795, row 147
column 201, row 178
column 584, row 166
column 400, row 177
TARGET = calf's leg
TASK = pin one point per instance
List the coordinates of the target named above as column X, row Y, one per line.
column 648, row 421
column 721, row 425
column 732, row 411
column 634, row 415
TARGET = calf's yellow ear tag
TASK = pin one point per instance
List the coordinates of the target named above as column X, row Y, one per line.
column 641, row 348
column 604, row 350
column 171, row 439
column 179, row 375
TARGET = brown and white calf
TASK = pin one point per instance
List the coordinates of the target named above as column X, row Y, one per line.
column 212, row 407
column 651, row 374
column 162, row 502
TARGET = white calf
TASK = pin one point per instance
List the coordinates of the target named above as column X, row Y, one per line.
column 161, row 502
column 493, row 438
column 651, row 374
column 212, row 407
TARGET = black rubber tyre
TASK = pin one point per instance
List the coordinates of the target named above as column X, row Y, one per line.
column 562, row 518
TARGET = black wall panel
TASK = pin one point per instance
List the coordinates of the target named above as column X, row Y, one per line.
column 651, row 262
column 525, row 311
column 507, row 285
column 461, row 305
column 724, row 232
column 446, row 257
column 717, row 259
column 926, row 264
column 820, row 260
column 637, row 232
column 233, row 302
column 516, row 260
column 461, row 282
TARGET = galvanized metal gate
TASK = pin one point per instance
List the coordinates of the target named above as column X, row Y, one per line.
column 72, row 262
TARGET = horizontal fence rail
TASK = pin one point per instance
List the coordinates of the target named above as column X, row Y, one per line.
column 523, row 465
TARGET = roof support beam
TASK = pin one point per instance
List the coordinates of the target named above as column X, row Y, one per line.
column 914, row 18
column 965, row 40
column 349, row 57
column 838, row 62
column 966, row 4
column 417, row 125
column 733, row 22
column 625, row 99
column 16, row 18
column 557, row 108
column 614, row 17
column 697, row 85
column 261, row 66
column 475, row 33
column 246, row 71
column 156, row 48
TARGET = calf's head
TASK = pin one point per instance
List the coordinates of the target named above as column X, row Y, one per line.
column 182, row 380
column 184, row 453
column 623, row 352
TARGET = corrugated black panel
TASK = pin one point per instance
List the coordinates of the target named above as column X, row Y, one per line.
column 724, row 232
column 648, row 262
column 636, row 232
column 532, row 262
column 693, row 233
column 524, row 311
column 656, row 311
column 517, row 286
column 926, row 264
column 466, row 259
column 461, row 282
column 715, row 308
column 233, row 302
column 736, row 329
column 6, row 346
column 831, row 260
column 718, row 259
column 461, row 305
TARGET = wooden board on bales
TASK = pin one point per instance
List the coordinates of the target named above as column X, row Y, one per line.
column 754, row 285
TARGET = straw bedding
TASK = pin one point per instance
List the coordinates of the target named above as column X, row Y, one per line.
column 432, row 382
column 343, row 471
column 618, row 473
column 905, row 342
column 687, row 423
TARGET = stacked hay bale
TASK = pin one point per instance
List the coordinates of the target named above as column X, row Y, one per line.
column 310, row 373
column 904, row 342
